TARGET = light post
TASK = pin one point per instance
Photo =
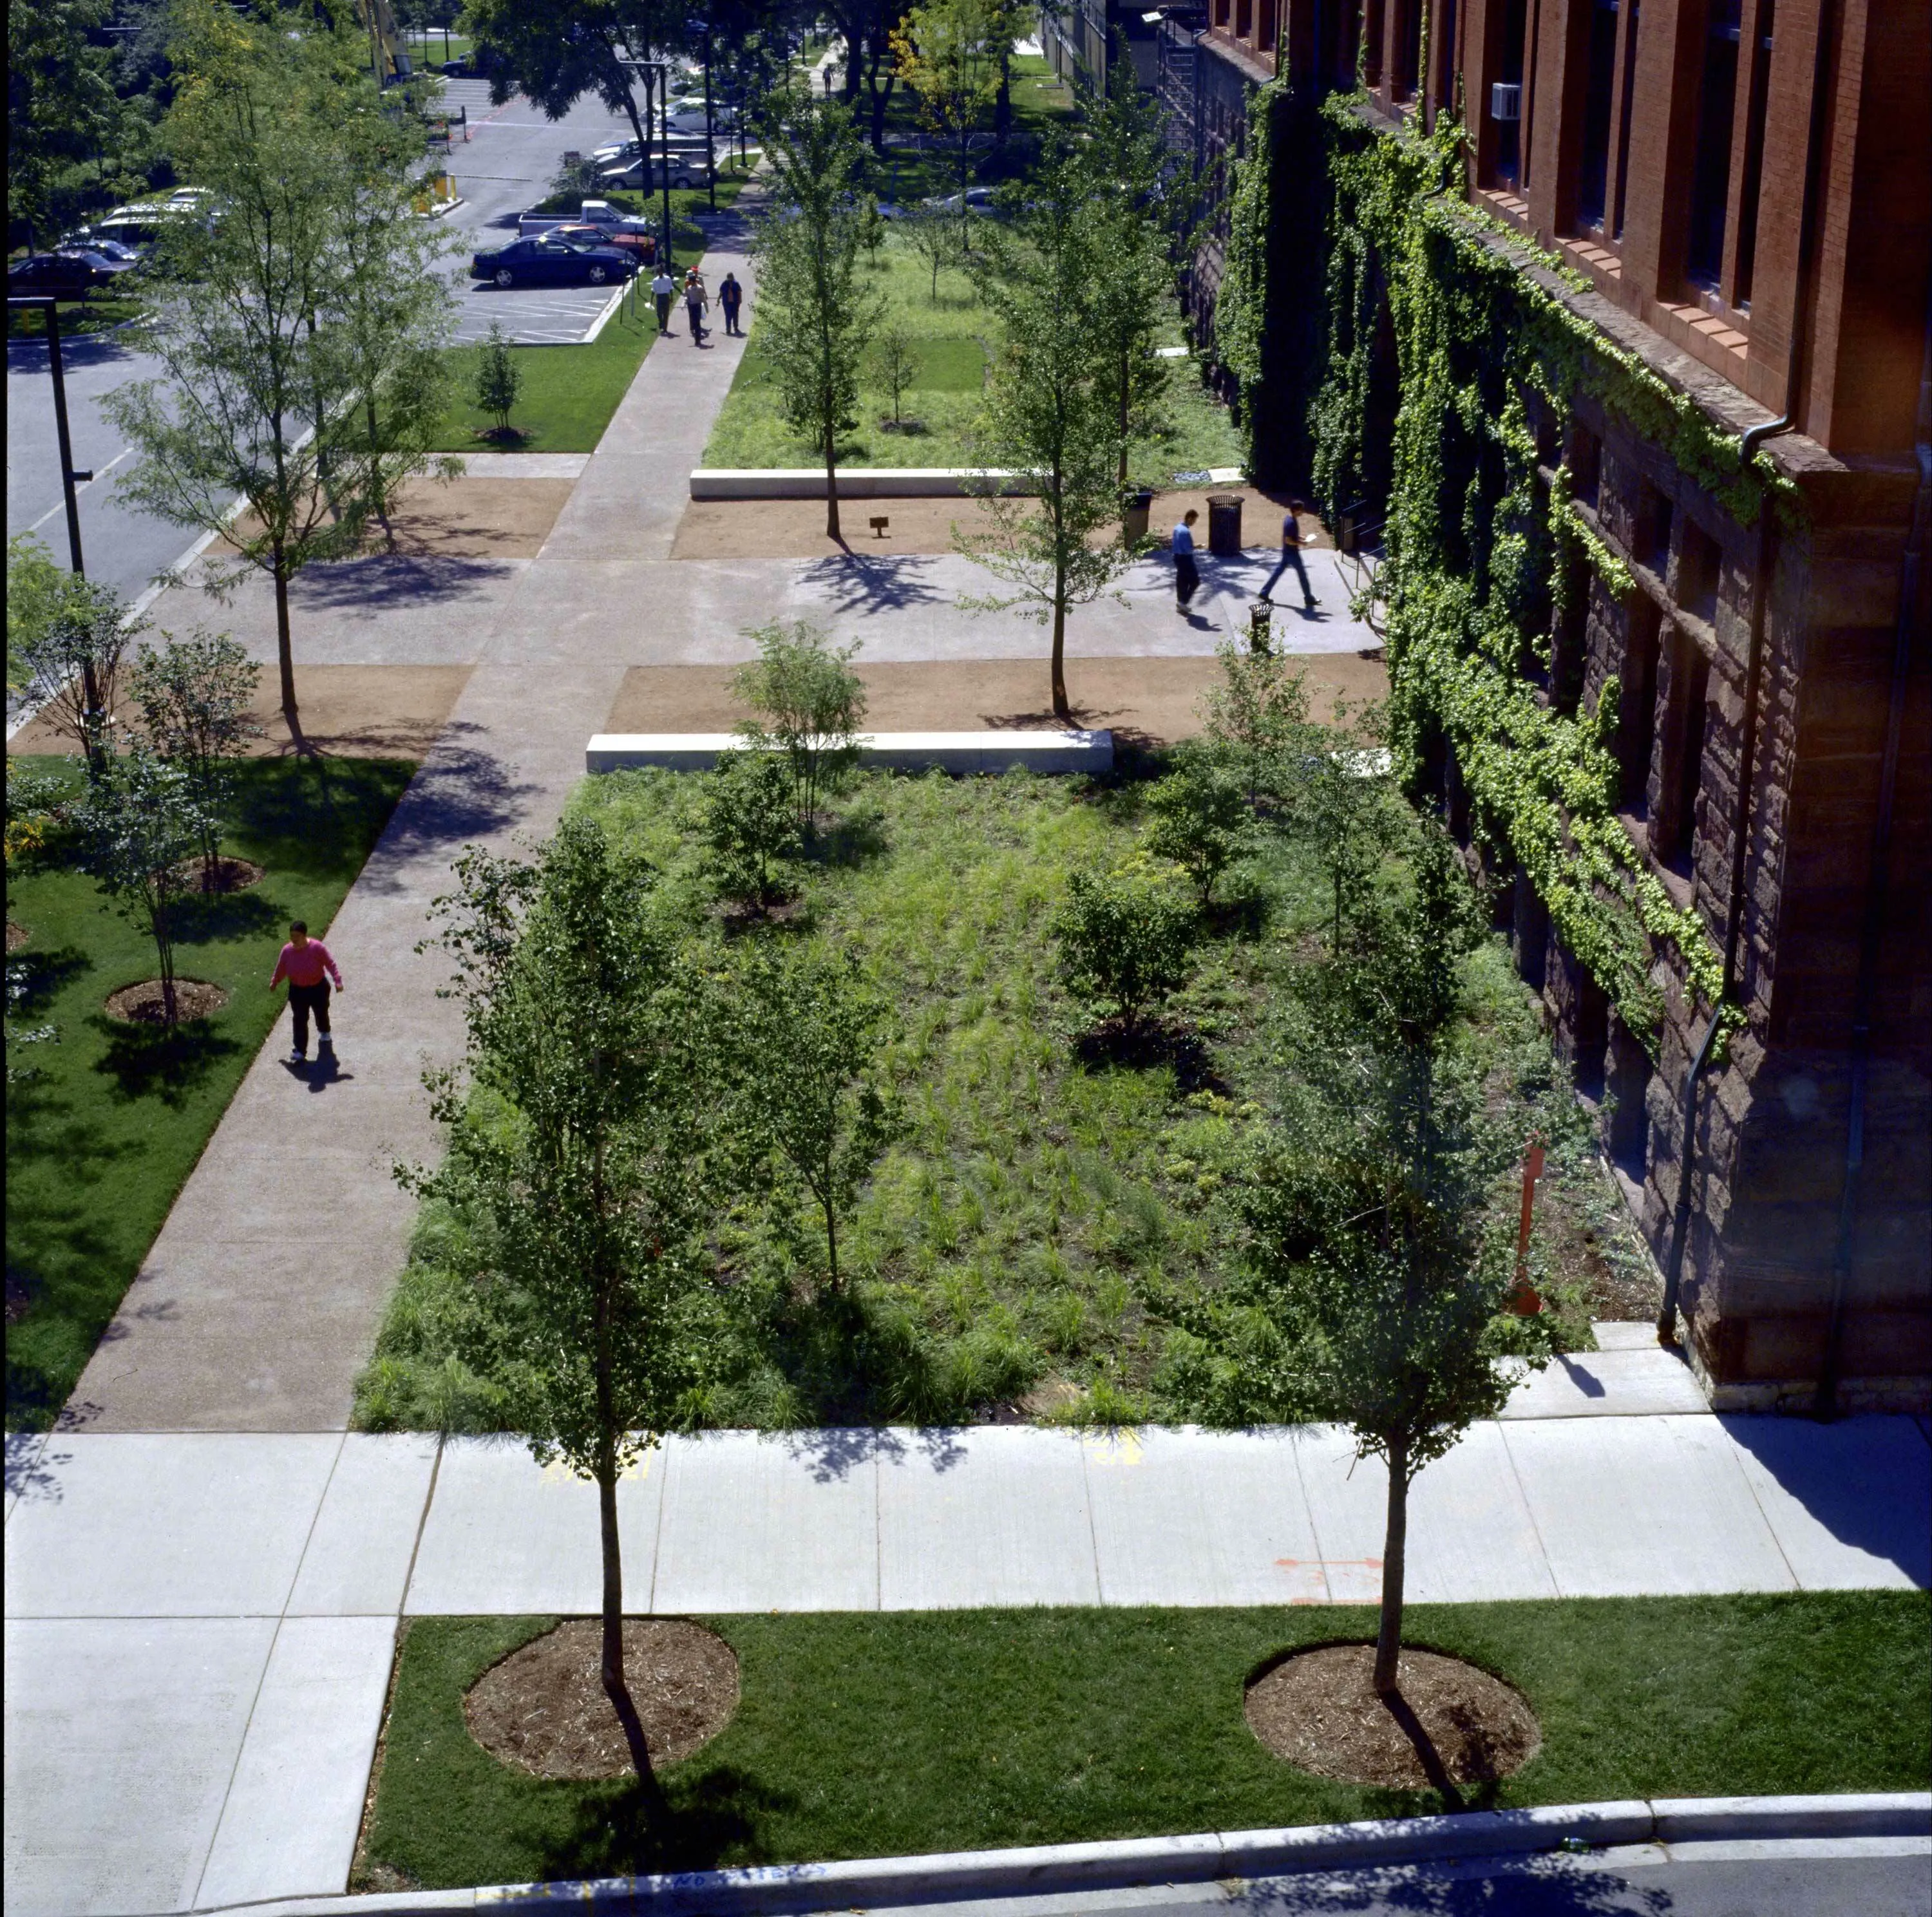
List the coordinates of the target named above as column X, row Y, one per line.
column 70, row 478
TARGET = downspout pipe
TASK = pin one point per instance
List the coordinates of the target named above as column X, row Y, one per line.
column 1748, row 447
column 1825, row 1402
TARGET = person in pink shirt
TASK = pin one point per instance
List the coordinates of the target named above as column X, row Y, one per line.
column 306, row 965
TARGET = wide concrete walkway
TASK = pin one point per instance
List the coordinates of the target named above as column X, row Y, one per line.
column 259, row 1302
column 200, row 1626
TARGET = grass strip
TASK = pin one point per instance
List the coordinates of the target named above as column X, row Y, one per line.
column 879, row 1735
column 104, row 1128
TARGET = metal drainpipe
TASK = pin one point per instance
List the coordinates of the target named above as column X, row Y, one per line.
column 1747, row 446
column 1824, row 1403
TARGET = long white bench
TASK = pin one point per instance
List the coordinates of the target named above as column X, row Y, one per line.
column 1056, row 751
column 855, row 482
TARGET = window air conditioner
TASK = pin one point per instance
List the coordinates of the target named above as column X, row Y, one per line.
column 1506, row 101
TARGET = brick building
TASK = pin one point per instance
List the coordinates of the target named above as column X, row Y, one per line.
column 1741, row 190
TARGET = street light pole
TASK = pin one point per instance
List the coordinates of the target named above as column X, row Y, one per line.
column 90, row 690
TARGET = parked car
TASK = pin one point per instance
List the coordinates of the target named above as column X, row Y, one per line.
column 619, row 228
column 63, row 275
column 137, row 227
column 978, row 199
column 548, row 261
column 686, row 169
column 642, row 248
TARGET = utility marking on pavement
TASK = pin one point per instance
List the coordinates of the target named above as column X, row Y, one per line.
column 1323, row 1564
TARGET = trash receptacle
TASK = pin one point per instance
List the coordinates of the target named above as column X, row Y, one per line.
column 1135, row 504
column 1224, row 525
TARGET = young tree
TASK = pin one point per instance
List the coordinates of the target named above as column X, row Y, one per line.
column 196, row 698
column 499, row 378
column 266, row 348
column 811, row 1027
column 1259, row 715
column 1049, row 420
column 811, row 704
column 1342, row 806
column 816, row 315
column 948, row 52
column 895, row 365
column 69, row 655
column 39, row 589
column 1200, row 820
column 1124, row 939
column 581, row 1126
column 1366, row 1251
column 751, row 824
column 140, row 825
column 934, row 237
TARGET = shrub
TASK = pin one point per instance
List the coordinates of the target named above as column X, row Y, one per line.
column 750, row 825
column 1124, row 937
column 1201, row 821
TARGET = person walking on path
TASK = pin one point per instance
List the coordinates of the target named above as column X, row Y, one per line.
column 695, row 304
column 731, row 296
column 663, row 290
column 1291, row 556
column 1186, row 574
column 306, row 966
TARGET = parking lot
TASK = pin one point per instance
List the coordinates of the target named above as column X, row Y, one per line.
column 506, row 166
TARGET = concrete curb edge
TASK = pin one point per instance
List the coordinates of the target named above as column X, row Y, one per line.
column 873, row 1883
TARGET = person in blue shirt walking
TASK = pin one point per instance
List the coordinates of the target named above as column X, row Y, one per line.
column 1291, row 556
column 1186, row 574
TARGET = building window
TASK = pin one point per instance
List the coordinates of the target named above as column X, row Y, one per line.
column 1653, row 515
column 1509, row 143
column 1636, row 714
column 1673, row 836
column 1754, row 179
column 1711, row 171
column 1593, row 174
column 1530, row 934
column 1696, row 584
column 1244, row 19
column 1265, row 38
column 1628, row 1084
column 1586, row 466
column 1629, row 88
column 1409, row 16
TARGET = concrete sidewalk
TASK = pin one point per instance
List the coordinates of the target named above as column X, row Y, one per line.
column 199, row 1627
column 259, row 1302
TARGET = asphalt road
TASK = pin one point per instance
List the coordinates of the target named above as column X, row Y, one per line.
column 1850, row 1877
column 505, row 166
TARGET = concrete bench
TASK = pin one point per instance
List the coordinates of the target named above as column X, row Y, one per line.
column 860, row 482
column 1069, row 751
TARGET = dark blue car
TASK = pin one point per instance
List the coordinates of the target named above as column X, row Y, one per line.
column 549, row 260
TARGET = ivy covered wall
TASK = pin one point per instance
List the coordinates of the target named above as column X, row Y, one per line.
column 1448, row 370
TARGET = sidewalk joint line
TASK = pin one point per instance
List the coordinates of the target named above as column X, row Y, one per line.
column 1093, row 1537
column 1308, row 1511
column 422, row 1525
column 261, row 1676
column 1528, row 1510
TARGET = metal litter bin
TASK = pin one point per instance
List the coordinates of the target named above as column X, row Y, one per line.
column 1224, row 525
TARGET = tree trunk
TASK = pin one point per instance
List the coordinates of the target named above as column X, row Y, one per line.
column 1003, row 101
column 831, row 1243
column 612, row 1673
column 1062, row 711
column 1126, row 379
column 285, row 656
column 1388, row 1639
column 164, row 951
column 831, row 531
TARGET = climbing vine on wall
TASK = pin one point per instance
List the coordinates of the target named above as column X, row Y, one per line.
column 1241, row 306
column 1482, row 553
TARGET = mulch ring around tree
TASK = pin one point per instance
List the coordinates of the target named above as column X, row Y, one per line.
column 16, row 936
column 1450, row 1720
column 142, row 1005
column 227, row 875
column 543, row 1708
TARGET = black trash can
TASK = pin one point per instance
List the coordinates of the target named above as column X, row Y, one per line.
column 1224, row 525
column 1136, row 503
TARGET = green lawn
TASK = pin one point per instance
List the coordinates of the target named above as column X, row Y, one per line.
column 569, row 392
column 953, row 334
column 101, row 1136
column 861, row 1735
column 76, row 317
column 1004, row 1237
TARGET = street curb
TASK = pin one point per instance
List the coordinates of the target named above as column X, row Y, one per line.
column 875, row 1882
